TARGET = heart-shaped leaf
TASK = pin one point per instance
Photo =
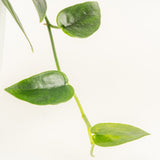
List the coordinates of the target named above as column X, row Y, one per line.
column 14, row 15
column 112, row 134
column 41, row 7
column 46, row 88
column 80, row 20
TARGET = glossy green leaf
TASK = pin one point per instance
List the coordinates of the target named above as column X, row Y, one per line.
column 80, row 20
column 46, row 88
column 14, row 15
column 112, row 134
column 41, row 7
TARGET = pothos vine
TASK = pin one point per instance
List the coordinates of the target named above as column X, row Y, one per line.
column 52, row 87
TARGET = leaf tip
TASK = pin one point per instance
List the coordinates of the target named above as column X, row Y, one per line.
column 144, row 133
column 41, row 18
column 147, row 134
column 9, row 90
column 6, row 89
column 32, row 49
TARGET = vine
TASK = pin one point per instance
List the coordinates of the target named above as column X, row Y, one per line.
column 52, row 87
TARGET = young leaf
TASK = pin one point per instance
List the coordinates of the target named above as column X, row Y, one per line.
column 80, row 20
column 46, row 88
column 14, row 15
column 41, row 7
column 112, row 134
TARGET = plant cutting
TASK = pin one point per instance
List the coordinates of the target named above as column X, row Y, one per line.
column 53, row 87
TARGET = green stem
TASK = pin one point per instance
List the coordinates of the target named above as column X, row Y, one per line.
column 53, row 26
column 52, row 43
column 92, row 148
column 84, row 117
column 82, row 112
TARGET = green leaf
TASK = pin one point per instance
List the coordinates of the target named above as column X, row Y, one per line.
column 46, row 88
column 80, row 20
column 41, row 7
column 112, row 134
column 14, row 15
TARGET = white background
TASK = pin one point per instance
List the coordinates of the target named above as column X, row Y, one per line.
column 115, row 72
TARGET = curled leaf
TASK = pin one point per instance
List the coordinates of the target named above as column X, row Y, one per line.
column 14, row 15
column 41, row 7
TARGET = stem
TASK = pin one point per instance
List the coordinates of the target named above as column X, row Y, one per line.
column 52, row 43
column 92, row 148
column 84, row 117
column 53, row 26
column 82, row 112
